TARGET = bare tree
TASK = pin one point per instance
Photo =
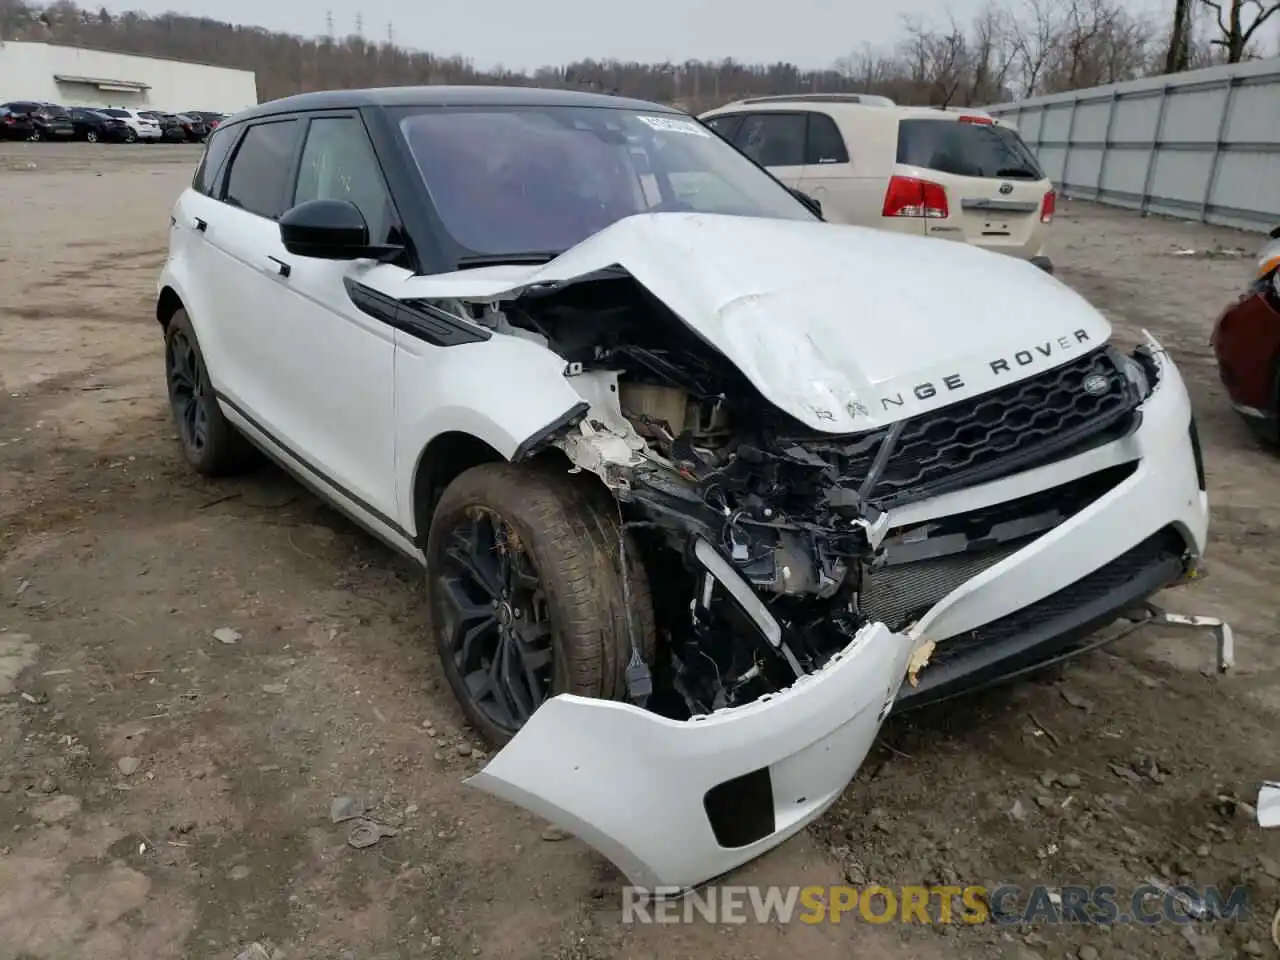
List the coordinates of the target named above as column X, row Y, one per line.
column 1179, row 53
column 1034, row 35
column 1098, row 42
column 939, row 61
column 992, row 56
column 1238, row 23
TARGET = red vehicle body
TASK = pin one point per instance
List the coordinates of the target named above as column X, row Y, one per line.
column 1246, row 343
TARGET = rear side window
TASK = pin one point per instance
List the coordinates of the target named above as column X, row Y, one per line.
column 215, row 155
column 261, row 168
column 726, row 126
column 773, row 139
column 825, row 145
column 966, row 149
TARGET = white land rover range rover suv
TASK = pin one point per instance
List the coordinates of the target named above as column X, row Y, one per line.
column 703, row 486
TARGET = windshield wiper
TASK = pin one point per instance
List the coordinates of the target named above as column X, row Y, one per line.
column 533, row 257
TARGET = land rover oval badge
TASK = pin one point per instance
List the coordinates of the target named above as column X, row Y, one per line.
column 1095, row 385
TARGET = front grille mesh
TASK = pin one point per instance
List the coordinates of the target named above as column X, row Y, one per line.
column 1159, row 549
column 1013, row 428
column 898, row 593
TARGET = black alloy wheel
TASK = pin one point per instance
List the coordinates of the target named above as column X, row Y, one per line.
column 210, row 443
column 188, row 395
column 495, row 618
column 527, row 597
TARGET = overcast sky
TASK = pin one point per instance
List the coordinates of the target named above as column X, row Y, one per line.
column 529, row 33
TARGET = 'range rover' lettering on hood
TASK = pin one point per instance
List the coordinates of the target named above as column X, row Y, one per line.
column 845, row 328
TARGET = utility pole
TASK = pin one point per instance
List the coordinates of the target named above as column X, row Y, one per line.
column 391, row 34
column 328, row 23
column 360, row 25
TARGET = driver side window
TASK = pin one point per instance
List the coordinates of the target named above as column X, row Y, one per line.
column 338, row 163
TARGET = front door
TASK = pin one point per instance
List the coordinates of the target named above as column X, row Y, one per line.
column 335, row 363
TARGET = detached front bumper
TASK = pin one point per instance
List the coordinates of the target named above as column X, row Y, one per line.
column 675, row 804
column 1043, row 600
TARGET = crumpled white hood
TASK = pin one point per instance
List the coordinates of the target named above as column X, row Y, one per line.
column 845, row 328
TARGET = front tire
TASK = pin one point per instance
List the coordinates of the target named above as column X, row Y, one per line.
column 91, row 136
column 130, row 137
column 526, row 594
column 209, row 442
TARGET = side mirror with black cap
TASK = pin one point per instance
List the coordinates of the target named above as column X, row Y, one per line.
column 330, row 230
column 814, row 206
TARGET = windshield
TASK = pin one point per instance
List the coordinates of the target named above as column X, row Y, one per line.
column 114, row 113
column 966, row 149
column 516, row 180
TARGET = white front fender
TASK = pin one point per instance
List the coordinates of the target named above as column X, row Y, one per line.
column 635, row 785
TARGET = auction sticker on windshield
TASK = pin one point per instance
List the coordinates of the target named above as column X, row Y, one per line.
column 675, row 125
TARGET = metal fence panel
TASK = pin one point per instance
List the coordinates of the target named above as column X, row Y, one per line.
column 1203, row 145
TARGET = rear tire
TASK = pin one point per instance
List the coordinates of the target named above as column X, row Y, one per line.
column 210, row 443
column 91, row 136
column 526, row 596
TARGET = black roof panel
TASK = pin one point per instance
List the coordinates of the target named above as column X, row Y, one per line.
column 440, row 96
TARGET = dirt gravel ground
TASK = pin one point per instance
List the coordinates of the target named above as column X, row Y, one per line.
column 164, row 793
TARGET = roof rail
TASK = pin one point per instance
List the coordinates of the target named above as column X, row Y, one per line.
column 866, row 99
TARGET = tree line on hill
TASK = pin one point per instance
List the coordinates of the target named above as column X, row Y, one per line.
column 1010, row 50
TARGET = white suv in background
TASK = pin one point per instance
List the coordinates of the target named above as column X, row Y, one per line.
column 143, row 128
column 956, row 174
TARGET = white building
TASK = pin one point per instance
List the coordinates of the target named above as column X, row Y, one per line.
column 76, row 76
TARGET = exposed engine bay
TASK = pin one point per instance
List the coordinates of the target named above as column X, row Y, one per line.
column 774, row 528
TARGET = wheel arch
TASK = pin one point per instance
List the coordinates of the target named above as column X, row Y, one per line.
column 450, row 454
column 440, row 462
column 167, row 304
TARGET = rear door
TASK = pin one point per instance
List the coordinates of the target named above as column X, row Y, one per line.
column 776, row 141
column 243, row 284
column 828, row 174
column 995, row 188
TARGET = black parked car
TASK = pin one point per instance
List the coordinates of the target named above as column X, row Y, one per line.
column 15, row 125
column 195, row 128
column 47, row 121
column 211, row 118
column 97, row 127
column 170, row 126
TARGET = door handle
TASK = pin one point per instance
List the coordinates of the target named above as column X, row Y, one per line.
column 282, row 268
column 201, row 225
